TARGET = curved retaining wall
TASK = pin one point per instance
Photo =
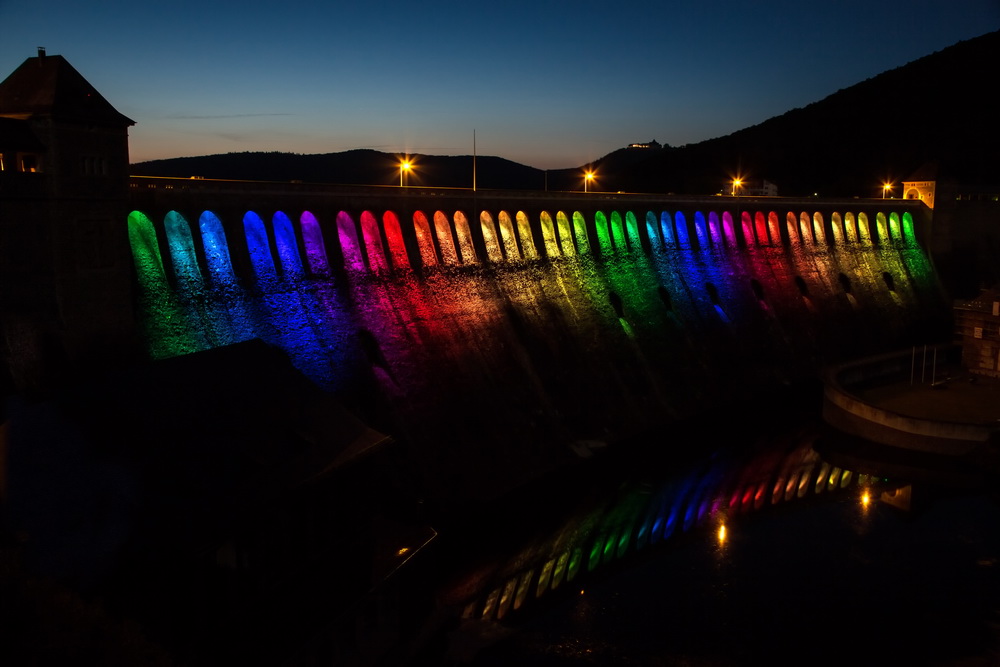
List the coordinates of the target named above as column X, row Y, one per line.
column 851, row 414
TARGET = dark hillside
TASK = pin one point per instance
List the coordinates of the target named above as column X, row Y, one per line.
column 936, row 109
column 356, row 167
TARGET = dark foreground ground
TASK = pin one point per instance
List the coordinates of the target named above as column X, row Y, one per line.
column 828, row 582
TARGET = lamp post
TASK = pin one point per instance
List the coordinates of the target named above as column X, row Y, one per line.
column 587, row 178
column 404, row 167
column 886, row 187
column 737, row 182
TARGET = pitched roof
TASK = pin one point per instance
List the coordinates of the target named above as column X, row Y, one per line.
column 49, row 86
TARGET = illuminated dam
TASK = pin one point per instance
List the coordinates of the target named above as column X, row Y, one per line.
column 495, row 332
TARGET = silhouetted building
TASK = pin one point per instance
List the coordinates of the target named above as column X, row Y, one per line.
column 654, row 144
column 65, row 269
column 755, row 188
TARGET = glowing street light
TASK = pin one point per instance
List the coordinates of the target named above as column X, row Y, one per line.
column 404, row 168
column 587, row 178
column 737, row 183
column 886, row 187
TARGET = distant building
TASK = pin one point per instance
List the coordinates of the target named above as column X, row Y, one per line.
column 922, row 185
column 756, row 188
column 651, row 144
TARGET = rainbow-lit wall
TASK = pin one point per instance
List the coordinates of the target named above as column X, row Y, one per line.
column 511, row 333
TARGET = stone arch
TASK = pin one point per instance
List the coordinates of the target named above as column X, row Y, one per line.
column 580, row 234
column 445, row 239
column 701, row 229
column 819, row 228
column 145, row 247
column 681, row 228
column 773, row 228
column 509, row 237
column 909, row 235
column 315, row 247
column 183, row 257
column 850, row 228
column 882, row 228
column 524, row 234
column 746, row 223
column 805, row 229
column 792, row 224
column 603, row 233
column 259, row 248
column 667, row 228
column 287, row 245
column 632, row 232
column 549, row 235
column 864, row 231
column 373, row 243
column 837, row 227
column 760, row 228
column 464, row 234
column 714, row 228
column 729, row 230
column 618, row 233
column 653, row 231
column 349, row 246
column 216, row 245
column 394, row 239
column 894, row 231
column 425, row 239
column 565, row 234
column 493, row 251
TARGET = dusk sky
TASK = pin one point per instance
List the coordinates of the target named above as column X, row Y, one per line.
column 549, row 84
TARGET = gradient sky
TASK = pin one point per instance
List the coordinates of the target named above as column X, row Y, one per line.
column 549, row 84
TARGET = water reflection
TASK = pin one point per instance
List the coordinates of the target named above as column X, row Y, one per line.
column 711, row 496
column 760, row 574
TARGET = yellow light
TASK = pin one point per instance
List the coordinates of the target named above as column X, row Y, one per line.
column 722, row 533
column 866, row 499
column 406, row 166
column 403, row 551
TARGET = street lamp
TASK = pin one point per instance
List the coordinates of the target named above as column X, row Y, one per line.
column 587, row 178
column 886, row 187
column 737, row 182
column 404, row 167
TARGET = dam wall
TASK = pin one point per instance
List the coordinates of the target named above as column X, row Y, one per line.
column 498, row 333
